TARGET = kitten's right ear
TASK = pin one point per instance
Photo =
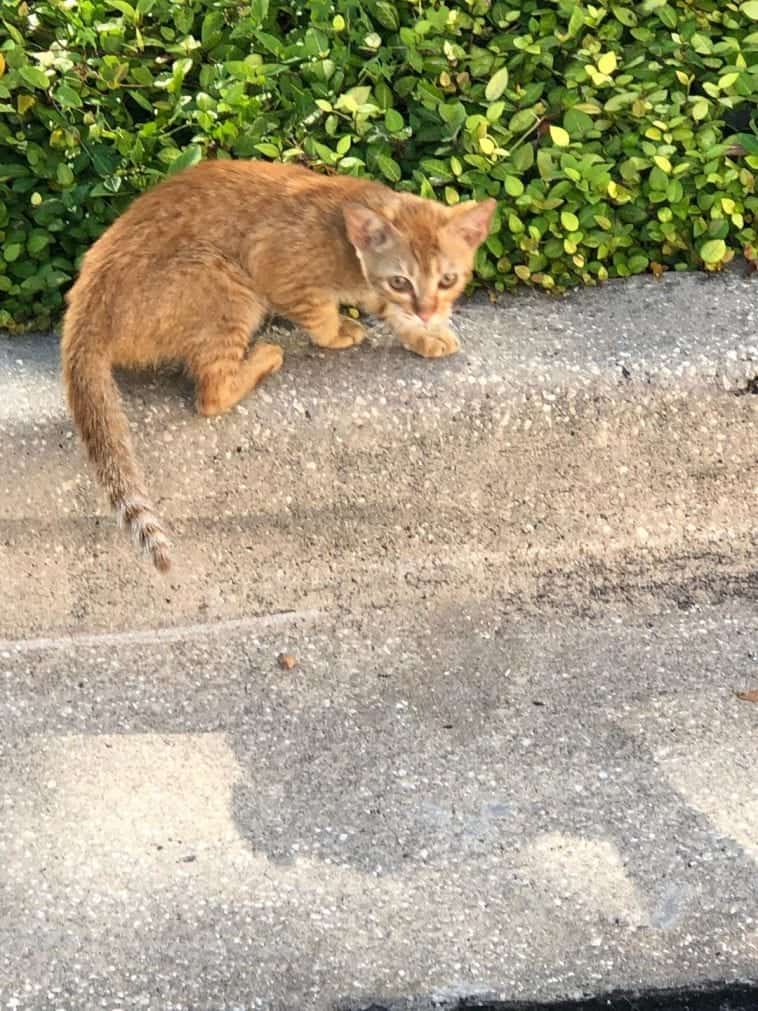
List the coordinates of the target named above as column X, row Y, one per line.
column 472, row 220
column 365, row 228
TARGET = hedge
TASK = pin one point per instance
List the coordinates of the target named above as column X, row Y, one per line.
column 617, row 136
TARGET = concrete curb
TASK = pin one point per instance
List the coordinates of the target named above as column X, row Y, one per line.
column 597, row 444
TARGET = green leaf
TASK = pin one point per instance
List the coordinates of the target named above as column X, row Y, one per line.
column 360, row 95
column 637, row 263
column 750, row 9
column 387, row 15
column 259, row 10
column 559, row 136
column 617, row 102
column 495, row 112
column 38, row 241
column 545, row 164
column 624, row 14
column 513, row 186
column 124, row 7
column 569, row 221
column 576, row 21
column 389, row 168
column 68, row 97
column 748, row 141
column 523, row 158
column 34, row 77
column 436, row 169
column 713, row 251
column 104, row 159
column 522, row 120
column 701, row 43
column 64, row 175
column 210, row 31
column 393, row 121
column 607, row 63
column 12, row 251
column 674, row 191
column 577, row 123
column 496, row 85
column 190, row 156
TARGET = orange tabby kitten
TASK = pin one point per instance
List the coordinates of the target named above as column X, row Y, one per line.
column 193, row 267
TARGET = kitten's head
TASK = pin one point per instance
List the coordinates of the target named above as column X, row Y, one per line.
column 419, row 254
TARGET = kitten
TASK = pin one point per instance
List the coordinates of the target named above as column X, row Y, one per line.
column 193, row 267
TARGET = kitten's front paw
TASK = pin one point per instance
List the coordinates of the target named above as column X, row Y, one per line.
column 349, row 334
column 436, row 345
column 268, row 356
column 351, row 331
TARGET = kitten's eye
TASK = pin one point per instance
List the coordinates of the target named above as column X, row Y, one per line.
column 398, row 283
column 448, row 280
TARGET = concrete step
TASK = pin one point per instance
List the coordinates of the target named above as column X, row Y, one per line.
column 595, row 446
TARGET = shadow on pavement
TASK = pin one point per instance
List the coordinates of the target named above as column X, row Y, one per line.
column 707, row 997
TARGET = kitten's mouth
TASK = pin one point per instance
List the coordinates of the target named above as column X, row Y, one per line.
column 414, row 317
column 433, row 320
column 408, row 316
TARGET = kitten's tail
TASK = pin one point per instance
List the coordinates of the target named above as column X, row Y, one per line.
column 96, row 406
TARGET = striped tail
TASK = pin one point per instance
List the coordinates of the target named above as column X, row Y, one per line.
column 96, row 407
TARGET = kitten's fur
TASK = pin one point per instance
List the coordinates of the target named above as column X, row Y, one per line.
column 193, row 267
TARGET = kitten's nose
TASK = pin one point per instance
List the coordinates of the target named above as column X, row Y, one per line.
column 425, row 313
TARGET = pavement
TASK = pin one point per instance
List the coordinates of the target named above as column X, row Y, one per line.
column 509, row 761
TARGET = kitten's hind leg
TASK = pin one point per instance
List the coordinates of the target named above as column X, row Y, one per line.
column 225, row 382
column 325, row 326
column 223, row 368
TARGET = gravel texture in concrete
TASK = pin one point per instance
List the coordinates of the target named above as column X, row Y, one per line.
column 508, row 761
column 435, row 804
column 598, row 444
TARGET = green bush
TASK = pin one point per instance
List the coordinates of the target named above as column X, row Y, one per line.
column 617, row 136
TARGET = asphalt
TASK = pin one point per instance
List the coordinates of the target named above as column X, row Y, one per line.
column 444, row 804
column 509, row 762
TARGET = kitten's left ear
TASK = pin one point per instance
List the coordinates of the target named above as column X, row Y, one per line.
column 365, row 228
column 471, row 221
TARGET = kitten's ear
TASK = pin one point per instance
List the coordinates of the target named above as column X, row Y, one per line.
column 471, row 221
column 365, row 228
